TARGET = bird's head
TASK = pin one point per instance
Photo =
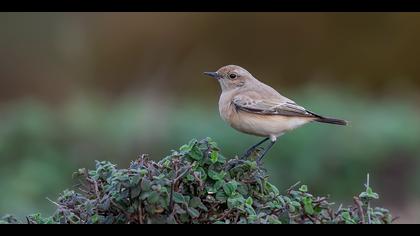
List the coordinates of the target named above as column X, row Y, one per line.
column 231, row 77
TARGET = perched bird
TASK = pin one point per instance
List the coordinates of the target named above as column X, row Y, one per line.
column 255, row 108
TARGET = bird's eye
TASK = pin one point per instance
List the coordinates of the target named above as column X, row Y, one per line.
column 232, row 76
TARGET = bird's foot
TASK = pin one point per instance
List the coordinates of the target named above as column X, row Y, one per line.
column 259, row 160
column 233, row 162
column 245, row 155
column 252, row 152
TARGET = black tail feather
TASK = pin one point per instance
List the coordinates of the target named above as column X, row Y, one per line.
column 328, row 120
column 332, row 121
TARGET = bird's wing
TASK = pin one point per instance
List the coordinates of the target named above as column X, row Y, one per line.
column 270, row 107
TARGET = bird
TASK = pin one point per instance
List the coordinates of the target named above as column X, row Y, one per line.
column 252, row 107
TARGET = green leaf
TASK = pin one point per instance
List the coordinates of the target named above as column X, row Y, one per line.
column 249, row 201
column 369, row 194
column 184, row 218
column 185, row 148
column 178, row 210
column 195, row 202
column 303, row 188
column 193, row 212
column 295, row 204
column 242, row 189
column 210, row 190
column 347, row 218
column 143, row 172
column 167, row 163
column 202, row 173
column 214, row 156
column 230, row 187
column 190, row 177
column 153, row 197
column 95, row 219
column 273, row 220
column 212, row 143
column 221, row 196
column 216, row 176
column 221, row 159
column 307, row 205
column 135, row 180
column 372, row 194
column 218, row 184
column 292, row 208
column 196, row 153
column 250, row 210
column 145, row 184
column 219, row 222
column 252, row 218
column 272, row 188
column 178, row 197
column 135, row 191
column 213, row 175
column 144, row 195
column 235, row 201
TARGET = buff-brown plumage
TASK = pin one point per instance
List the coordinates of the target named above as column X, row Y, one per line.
column 253, row 107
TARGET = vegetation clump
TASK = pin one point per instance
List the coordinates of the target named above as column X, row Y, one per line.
column 196, row 185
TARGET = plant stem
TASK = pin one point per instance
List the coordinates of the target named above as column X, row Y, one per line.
column 368, row 203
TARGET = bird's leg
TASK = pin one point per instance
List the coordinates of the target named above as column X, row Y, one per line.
column 265, row 151
column 248, row 152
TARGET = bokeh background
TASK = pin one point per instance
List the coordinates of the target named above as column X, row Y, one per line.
column 79, row 87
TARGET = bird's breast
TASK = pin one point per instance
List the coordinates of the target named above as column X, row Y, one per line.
column 226, row 111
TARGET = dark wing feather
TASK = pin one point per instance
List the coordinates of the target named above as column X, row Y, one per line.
column 270, row 107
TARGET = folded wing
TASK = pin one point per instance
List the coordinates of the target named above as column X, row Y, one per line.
column 271, row 107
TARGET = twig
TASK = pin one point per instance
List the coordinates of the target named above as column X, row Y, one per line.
column 394, row 219
column 96, row 189
column 84, row 191
column 292, row 187
column 224, row 214
column 140, row 210
column 171, row 202
column 207, row 151
column 233, row 163
column 95, row 184
column 359, row 206
column 237, row 217
column 331, row 214
column 317, row 202
column 120, row 208
column 313, row 219
column 183, row 173
column 338, row 211
column 368, row 203
column 117, row 206
column 200, row 182
column 58, row 205
column 63, row 208
column 339, row 208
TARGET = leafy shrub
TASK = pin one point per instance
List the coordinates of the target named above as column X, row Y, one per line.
column 196, row 184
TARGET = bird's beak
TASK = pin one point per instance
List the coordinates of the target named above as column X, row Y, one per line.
column 212, row 74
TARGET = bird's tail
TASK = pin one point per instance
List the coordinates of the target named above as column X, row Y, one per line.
column 332, row 121
column 328, row 120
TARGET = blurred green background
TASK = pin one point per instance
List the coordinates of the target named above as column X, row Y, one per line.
column 79, row 87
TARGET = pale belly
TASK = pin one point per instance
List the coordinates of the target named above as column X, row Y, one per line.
column 264, row 125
